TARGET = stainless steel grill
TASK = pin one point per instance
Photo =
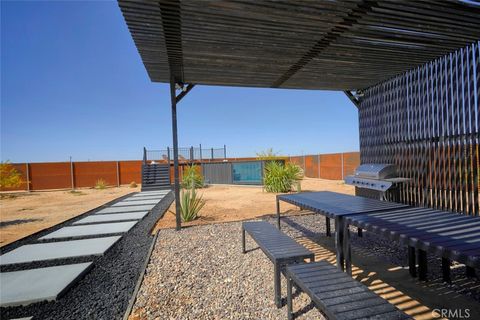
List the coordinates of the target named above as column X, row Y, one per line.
column 379, row 177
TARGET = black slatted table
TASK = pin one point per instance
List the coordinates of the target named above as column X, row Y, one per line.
column 449, row 235
column 337, row 206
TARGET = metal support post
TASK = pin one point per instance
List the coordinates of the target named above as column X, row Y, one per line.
column 71, row 174
column 28, row 176
column 175, row 155
column 118, row 175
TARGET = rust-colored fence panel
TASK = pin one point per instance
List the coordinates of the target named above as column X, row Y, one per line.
column 130, row 171
column 86, row 174
column 311, row 166
column 298, row 160
column 351, row 160
column 331, row 166
column 57, row 175
column 50, row 175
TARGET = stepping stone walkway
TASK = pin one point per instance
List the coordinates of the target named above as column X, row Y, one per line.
column 47, row 284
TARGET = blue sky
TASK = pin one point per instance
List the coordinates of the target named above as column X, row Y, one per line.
column 73, row 84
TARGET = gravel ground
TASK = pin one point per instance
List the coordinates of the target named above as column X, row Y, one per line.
column 200, row 273
column 105, row 291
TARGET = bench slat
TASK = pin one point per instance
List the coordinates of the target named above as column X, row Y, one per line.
column 338, row 295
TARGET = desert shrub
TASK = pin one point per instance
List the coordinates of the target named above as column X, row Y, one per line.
column 280, row 177
column 192, row 178
column 190, row 204
column 267, row 155
column 100, row 184
column 133, row 184
column 9, row 176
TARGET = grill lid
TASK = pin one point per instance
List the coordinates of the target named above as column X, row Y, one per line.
column 376, row 171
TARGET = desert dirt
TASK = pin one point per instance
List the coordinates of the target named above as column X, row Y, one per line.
column 22, row 214
column 225, row 203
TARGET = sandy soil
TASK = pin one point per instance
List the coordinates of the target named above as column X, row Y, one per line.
column 27, row 213
column 234, row 203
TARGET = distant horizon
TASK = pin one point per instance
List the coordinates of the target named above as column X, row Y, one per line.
column 73, row 84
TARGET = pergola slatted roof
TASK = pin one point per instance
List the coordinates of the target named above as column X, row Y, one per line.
column 338, row 45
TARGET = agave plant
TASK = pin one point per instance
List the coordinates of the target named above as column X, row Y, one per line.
column 190, row 204
column 281, row 177
column 100, row 184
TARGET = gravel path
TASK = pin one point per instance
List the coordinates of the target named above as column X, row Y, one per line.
column 105, row 291
column 200, row 273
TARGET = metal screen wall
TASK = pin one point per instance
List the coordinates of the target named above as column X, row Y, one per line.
column 426, row 121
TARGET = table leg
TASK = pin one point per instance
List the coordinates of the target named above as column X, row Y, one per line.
column 278, row 214
column 422, row 265
column 470, row 272
column 243, row 240
column 360, row 232
column 446, row 270
column 339, row 242
column 327, row 223
column 278, row 290
column 347, row 248
column 289, row 299
column 412, row 264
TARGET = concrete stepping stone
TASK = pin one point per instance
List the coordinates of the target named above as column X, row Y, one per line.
column 58, row 250
column 143, row 194
column 90, row 230
column 146, row 207
column 139, row 199
column 135, row 203
column 42, row 284
column 97, row 218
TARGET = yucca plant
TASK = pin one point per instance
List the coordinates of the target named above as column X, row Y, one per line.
column 281, row 177
column 190, row 204
column 192, row 178
column 100, row 184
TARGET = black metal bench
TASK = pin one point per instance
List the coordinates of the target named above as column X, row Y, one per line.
column 278, row 247
column 336, row 294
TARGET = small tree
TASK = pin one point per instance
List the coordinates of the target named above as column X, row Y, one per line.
column 9, row 176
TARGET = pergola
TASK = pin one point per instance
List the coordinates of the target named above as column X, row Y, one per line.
column 349, row 46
